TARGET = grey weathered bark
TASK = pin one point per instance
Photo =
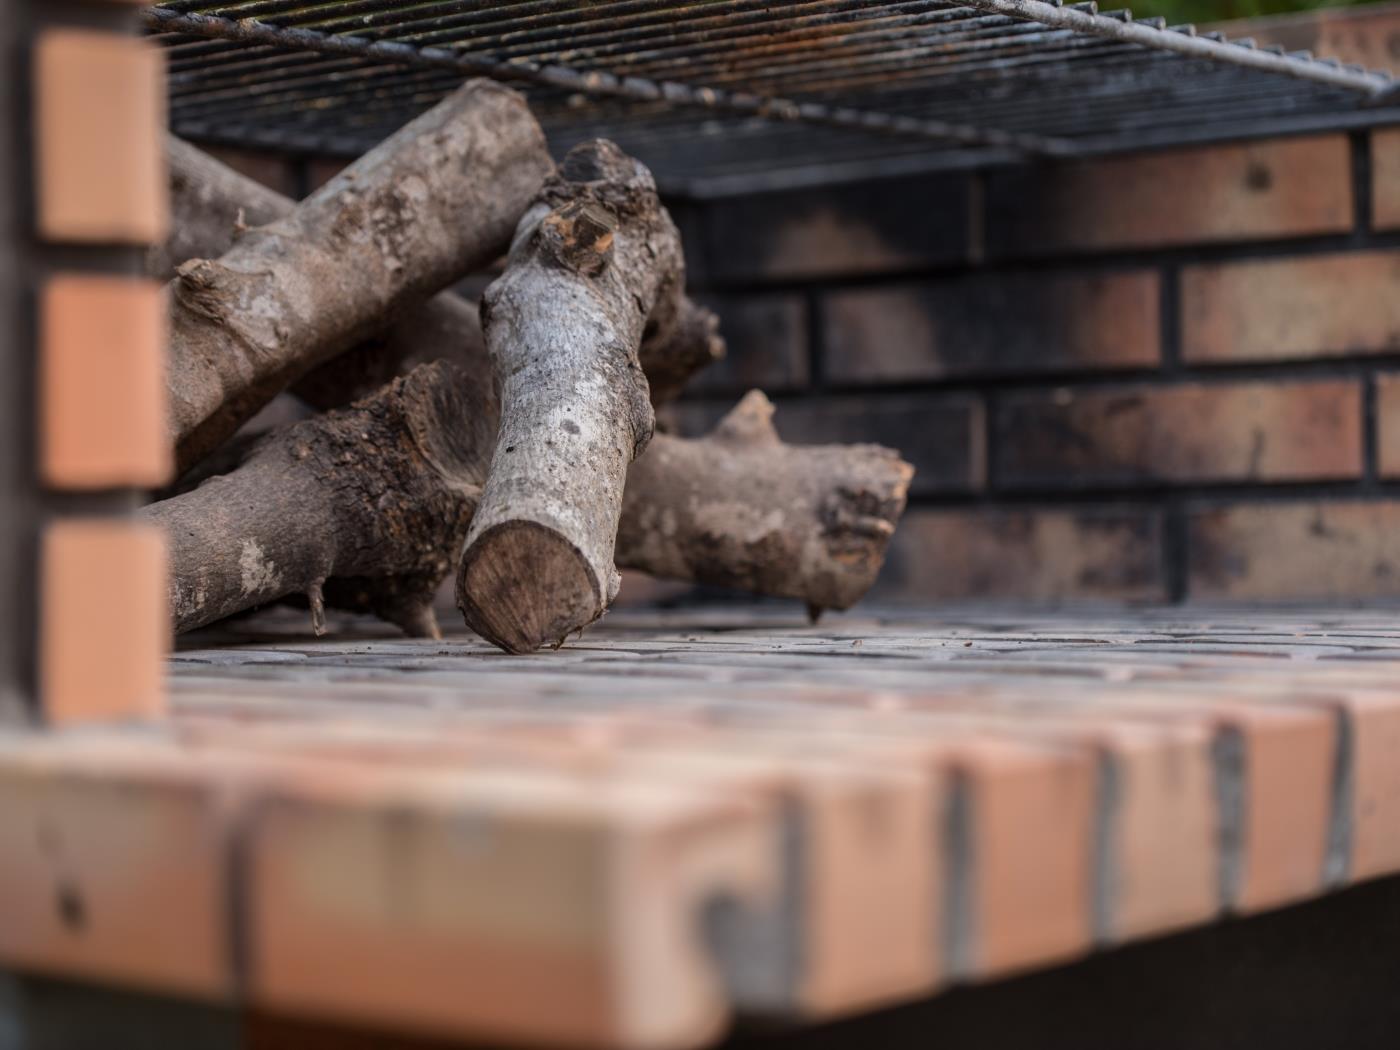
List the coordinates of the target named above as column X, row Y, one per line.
column 434, row 202
column 741, row 509
column 213, row 205
column 210, row 206
column 596, row 261
column 377, row 498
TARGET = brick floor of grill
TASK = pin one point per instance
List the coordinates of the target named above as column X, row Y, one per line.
column 690, row 815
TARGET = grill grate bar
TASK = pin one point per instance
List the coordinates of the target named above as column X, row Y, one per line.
column 595, row 83
column 730, row 93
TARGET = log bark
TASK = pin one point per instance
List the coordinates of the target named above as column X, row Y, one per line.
column 364, row 508
column 595, row 264
column 378, row 495
column 741, row 509
column 434, row 202
column 212, row 206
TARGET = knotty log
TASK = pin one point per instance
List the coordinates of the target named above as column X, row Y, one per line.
column 596, row 261
column 212, row 206
column 741, row 509
column 375, row 499
column 379, row 494
column 434, row 202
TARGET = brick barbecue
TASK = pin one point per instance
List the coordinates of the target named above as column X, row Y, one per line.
column 1125, row 296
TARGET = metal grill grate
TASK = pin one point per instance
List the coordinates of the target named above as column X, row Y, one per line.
column 725, row 96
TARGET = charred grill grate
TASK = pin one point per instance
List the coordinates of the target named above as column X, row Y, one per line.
column 731, row 95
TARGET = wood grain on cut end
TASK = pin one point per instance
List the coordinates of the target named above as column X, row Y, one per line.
column 523, row 586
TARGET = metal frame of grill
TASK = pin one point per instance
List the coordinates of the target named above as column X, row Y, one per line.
column 735, row 95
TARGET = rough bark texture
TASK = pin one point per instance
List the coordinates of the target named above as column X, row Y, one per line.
column 210, row 206
column 378, row 495
column 213, row 205
column 595, row 264
column 739, row 508
column 434, row 202
column 367, row 505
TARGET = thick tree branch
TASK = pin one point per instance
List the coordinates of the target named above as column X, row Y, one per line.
column 213, row 205
column 434, row 202
column 380, row 493
column 741, row 509
column 595, row 262
column 376, row 499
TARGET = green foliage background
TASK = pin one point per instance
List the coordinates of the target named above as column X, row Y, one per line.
column 1175, row 11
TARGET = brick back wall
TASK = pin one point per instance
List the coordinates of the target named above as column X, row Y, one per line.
column 1158, row 377
column 1165, row 376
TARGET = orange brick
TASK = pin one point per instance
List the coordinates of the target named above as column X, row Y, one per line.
column 1280, row 188
column 1157, row 803
column 1284, row 859
column 1031, row 839
column 1297, row 551
column 997, row 324
column 99, row 132
column 112, row 865
column 1165, row 863
column 1027, row 555
column 1375, row 814
column 1312, row 306
column 104, row 622
column 102, row 383
column 1192, row 432
column 588, row 894
column 1385, row 175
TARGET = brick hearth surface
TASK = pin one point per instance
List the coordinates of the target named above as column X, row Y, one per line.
column 687, row 816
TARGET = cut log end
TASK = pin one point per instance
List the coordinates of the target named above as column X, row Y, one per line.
column 523, row 586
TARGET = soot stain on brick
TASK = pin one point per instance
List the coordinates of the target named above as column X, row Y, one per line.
column 1258, row 442
column 1128, row 403
column 1213, row 560
column 1318, row 526
column 71, row 909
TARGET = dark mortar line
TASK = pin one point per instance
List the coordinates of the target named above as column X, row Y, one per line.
column 1336, row 868
column 1155, row 493
column 1228, row 760
column 1104, row 890
column 1361, row 170
column 105, row 503
column 1068, row 263
column 761, row 954
column 238, row 904
column 1176, row 549
column 1352, row 367
column 955, row 940
column 1169, row 320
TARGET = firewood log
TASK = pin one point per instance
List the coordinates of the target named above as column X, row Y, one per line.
column 432, row 203
column 375, row 500
column 213, row 206
column 596, row 261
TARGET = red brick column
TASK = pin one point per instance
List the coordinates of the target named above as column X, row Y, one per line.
column 84, row 626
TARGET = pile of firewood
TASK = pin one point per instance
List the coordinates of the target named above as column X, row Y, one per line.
column 513, row 444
